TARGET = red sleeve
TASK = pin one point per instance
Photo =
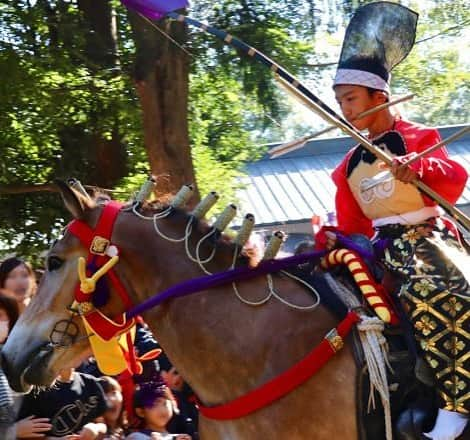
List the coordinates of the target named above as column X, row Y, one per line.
column 348, row 212
column 438, row 171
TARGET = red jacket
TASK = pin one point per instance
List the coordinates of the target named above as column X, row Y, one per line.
column 437, row 170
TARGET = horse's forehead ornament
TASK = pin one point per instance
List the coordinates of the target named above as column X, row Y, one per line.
column 100, row 245
column 335, row 340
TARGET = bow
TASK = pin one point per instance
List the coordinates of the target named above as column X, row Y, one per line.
column 157, row 9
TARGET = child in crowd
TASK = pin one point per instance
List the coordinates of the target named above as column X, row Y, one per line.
column 17, row 277
column 186, row 420
column 155, row 404
column 113, row 422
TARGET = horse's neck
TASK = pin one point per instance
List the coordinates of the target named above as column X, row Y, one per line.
column 224, row 347
column 221, row 345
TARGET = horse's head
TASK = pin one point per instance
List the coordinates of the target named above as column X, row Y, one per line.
column 48, row 336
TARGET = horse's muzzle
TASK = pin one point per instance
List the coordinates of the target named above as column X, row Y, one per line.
column 31, row 370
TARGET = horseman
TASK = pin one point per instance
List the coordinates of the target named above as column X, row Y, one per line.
column 418, row 242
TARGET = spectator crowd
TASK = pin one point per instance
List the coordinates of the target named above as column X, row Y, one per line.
column 84, row 404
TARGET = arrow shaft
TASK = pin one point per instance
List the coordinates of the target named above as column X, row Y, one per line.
column 317, row 105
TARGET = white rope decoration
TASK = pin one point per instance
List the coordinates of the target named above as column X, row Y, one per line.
column 188, row 231
column 273, row 293
column 248, row 302
column 375, row 351
column 237, row 293
column 201, row 262
column 198, row 247
column 197, row 259
column 160, row 215
column 287, row 303
column 235, row 288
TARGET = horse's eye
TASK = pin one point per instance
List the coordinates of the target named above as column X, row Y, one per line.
column 54, row 263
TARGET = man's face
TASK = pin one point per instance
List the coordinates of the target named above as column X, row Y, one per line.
column 354, row 100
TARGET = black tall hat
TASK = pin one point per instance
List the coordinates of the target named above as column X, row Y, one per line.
column 379, row 36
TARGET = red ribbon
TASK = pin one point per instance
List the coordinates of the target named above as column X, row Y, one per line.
column 282, row 384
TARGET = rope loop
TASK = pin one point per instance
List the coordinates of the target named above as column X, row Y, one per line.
column 371, row 323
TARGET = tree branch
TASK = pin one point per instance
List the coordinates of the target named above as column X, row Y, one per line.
column 455, row 28
column 24, row 189
column 321, row 65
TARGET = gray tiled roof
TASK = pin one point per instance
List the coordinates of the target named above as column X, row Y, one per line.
column 297, row 185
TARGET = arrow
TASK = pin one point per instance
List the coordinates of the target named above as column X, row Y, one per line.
column 156, row 9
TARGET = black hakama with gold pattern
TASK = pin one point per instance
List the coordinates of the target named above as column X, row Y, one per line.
column 436, row 296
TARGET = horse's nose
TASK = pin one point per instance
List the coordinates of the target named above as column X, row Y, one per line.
column 4, row 363
column 14, row 379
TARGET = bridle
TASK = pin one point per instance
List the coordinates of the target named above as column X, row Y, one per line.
column 111, row 338
column 91, row 293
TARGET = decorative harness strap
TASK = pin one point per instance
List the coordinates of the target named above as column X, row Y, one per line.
column 98, row 242
column 110, row 351
column 287, row 381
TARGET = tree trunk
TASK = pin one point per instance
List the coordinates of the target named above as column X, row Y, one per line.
column 101, row 38
column 162, row 77
column 107, row 157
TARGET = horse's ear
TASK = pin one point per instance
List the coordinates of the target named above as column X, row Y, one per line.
column 76, row 203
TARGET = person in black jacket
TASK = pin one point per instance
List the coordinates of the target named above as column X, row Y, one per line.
column 75, row 400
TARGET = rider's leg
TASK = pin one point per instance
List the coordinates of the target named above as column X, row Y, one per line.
column 437, row 299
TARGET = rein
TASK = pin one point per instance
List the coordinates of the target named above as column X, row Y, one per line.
column 102, row 253
column 218, row 279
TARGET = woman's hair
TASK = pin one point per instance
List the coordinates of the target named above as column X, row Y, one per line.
column 10, row 305
column 147, row 393
column 12, row 263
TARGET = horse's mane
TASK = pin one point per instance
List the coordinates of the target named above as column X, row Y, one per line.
column 225, row 244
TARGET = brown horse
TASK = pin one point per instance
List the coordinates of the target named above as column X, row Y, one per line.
column 222, row 346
